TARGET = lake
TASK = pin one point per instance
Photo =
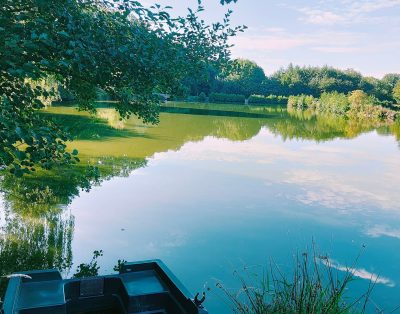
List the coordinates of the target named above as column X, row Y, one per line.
column 211, row 190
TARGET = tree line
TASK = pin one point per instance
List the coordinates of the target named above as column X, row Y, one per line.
column 245, row 77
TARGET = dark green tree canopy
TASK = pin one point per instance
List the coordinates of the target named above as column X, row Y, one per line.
column 246, row 77
column 128, row 51
column 243, row 77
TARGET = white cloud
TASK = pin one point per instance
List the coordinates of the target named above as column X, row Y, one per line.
column 357, row 7
column 361, row 273
column 267, row 43
column 337, row 191
column 319, row 185
column 275, row 29
column 382, row 230
column 320, row 17
column 347, row 12
column 264, row 42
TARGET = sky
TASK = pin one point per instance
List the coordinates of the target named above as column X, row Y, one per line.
column 363, row 34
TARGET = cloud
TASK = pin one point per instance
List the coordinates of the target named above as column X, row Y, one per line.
column 311, row 169
column 320, row 17
column 267, row 43
column 337, row 191
column 360, row 273
column 357, row 7
column 275, row 29
column 325, row 41
column 347, row 12
column 382, row 230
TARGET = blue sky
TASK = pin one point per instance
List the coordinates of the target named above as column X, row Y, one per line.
column 363, row 35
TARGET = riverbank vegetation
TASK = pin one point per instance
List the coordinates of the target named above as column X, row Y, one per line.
column 270, row 100
column 356, row 105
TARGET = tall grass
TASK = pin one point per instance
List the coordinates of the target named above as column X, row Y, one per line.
column 314, row 287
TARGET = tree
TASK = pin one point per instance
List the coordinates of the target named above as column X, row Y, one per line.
column 243, row 77
column 391, row 79
column 203, row 82
column 295, row 80
column 396, row 92
column 384, row 88
column 127, row 50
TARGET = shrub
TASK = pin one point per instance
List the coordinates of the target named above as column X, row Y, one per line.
column 357, row 105
column 268, row 100
column 336, row 103
column 202, row 97
column 360, row 99
column 302, row 102
column 226, row 98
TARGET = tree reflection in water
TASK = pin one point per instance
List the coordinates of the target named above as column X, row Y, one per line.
column 36, row 225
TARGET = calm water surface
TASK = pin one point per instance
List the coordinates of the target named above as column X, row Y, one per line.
column 212, row 190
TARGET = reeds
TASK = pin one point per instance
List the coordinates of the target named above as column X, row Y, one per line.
column 315, row 286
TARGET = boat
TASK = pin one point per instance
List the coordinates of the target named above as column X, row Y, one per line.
column 146, row 287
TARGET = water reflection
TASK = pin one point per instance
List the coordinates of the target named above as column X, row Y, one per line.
column 36, row 226
column 32, row 240
column 233, row 173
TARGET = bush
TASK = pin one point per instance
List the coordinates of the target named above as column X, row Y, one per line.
column 202, row 97
column 301, row 102
column 360, row 99
column 268, row 100
column 357, row 105
column 227, row 98
column 335, row 103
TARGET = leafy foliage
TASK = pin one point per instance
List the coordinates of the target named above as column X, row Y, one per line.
column 226, row 98
column 268, row 100
column 128, row 51
column 202, row 97
column 242, row 77
column 356, row 105
column 295, row 80
column 119, row 265
column 247, row 78
column 396, row 92
column 89, row 269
